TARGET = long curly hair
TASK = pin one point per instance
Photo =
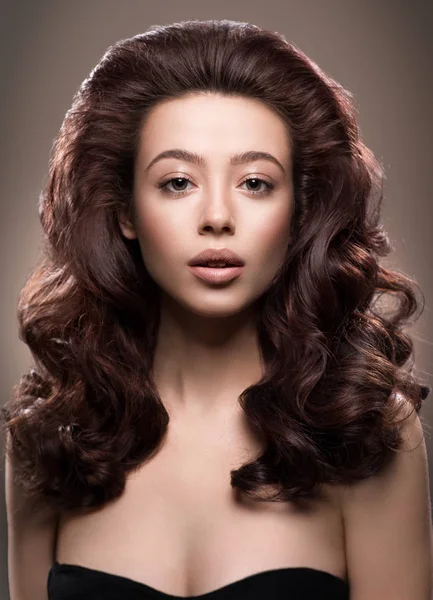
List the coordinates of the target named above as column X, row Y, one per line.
column 334, row 393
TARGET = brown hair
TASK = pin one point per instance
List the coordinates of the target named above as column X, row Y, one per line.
column 329, row 404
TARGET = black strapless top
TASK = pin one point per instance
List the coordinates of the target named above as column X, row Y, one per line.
column 73, row 582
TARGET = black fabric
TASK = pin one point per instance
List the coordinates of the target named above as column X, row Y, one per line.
column 72, row 582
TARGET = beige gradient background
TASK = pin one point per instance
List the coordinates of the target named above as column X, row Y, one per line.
column 379, row 49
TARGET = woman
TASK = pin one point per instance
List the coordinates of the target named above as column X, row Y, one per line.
column 218, row 406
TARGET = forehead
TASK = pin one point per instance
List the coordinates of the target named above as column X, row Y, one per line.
column 210, row 123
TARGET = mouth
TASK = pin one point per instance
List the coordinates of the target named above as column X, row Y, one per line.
column 213, row 264
column 217, row 264
column 214, row 258
column 217, row 274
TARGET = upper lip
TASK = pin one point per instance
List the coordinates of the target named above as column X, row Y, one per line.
column 213, row 254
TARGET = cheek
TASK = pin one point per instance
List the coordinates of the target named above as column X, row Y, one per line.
column 158, row 236
column 273, row 239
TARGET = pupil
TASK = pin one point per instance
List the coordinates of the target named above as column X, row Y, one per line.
column 177, row 179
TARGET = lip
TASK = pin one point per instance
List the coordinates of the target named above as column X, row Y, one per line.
column 214, row 254
column 216, row 274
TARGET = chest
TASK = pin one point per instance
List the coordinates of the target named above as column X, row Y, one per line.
column 180, row 526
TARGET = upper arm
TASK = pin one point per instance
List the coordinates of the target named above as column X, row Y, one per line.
column 388, row 526
column 31, row 541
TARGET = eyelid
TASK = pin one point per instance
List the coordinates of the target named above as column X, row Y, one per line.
column 269, row 186
column 265, row 178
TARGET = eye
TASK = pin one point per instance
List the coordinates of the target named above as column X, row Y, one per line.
column 180, row 181
column 163, row 186
column 269, row 186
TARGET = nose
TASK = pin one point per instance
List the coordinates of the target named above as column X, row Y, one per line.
column 217, row 216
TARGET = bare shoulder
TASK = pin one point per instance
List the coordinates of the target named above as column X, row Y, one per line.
column 31, row 539
column 388, row 528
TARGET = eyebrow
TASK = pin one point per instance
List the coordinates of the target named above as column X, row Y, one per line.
column 197, row 159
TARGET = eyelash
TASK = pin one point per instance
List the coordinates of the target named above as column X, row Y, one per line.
column 269, row 186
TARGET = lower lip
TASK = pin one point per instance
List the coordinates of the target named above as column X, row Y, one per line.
column 216, row 274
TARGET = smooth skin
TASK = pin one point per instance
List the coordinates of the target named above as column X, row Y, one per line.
column 207, row 351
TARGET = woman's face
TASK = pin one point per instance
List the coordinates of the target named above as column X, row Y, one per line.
column 182, row 207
